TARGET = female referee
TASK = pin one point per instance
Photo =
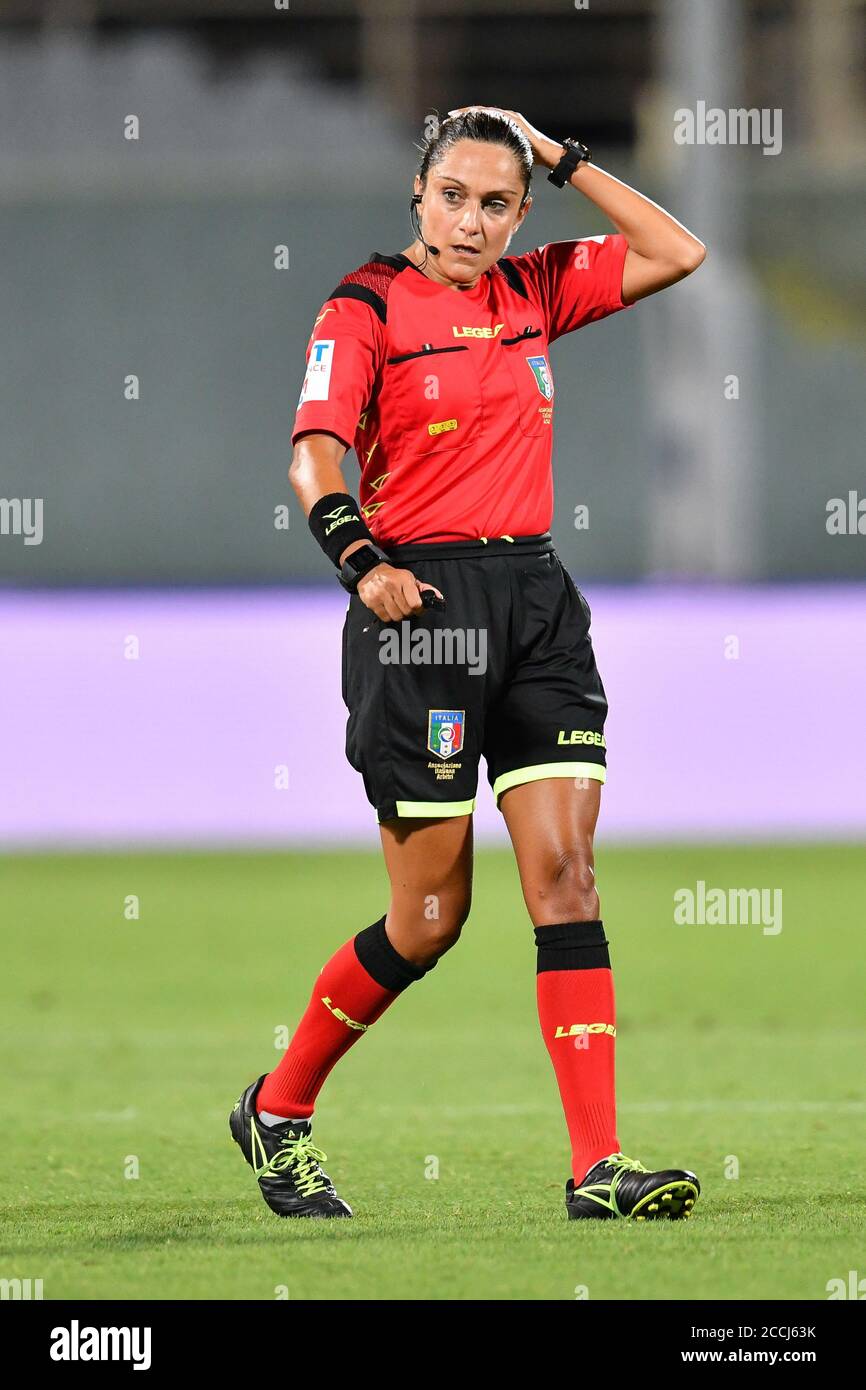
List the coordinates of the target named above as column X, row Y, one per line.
column 464, row 633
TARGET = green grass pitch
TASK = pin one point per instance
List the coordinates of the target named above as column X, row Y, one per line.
column 126, row 1042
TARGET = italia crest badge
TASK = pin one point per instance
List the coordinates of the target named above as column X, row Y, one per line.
column 445, row 731
column 540, row 368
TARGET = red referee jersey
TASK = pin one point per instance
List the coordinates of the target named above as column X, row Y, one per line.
column 447, row 395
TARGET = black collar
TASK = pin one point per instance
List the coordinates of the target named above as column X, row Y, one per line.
column 398, row 260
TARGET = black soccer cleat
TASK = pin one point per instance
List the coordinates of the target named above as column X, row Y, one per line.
column 620, row 1186
column 285, row 1161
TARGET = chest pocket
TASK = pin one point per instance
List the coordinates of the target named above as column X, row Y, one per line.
column 435, row 393
column 528, row 359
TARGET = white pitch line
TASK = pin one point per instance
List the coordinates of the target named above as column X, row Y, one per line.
column 638, row 1107
column 796, row 1107
column 650, row 1107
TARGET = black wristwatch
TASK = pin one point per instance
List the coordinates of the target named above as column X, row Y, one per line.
column 356, row 565
column 575, row 151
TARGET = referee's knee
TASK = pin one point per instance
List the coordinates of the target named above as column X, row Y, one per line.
column 564, row 889
column 428, row 928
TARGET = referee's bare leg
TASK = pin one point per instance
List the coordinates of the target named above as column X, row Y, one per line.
column 552, row 826
column 429, row 863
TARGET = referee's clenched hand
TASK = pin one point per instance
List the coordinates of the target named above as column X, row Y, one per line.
column 392, row 593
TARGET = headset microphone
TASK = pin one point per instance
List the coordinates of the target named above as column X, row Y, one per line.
column 416, row 226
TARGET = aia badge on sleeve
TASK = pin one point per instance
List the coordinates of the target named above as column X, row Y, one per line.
column 445, row 731
column 543, row 376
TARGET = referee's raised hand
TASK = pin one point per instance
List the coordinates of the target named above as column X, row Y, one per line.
column 393, row 593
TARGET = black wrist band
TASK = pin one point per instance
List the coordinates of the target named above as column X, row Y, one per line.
column 336, row 521
column 574, row 153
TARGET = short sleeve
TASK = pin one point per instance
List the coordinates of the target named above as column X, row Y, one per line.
column 343, row 357
column 577, row 282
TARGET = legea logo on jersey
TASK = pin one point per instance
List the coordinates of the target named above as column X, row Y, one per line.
column 543, row 376
column 477, row 332
column 317, row 381
column 445, row 731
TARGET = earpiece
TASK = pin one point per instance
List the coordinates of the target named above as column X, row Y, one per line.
column 416, row 225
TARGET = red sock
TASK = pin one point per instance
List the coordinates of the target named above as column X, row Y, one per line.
column 576, row 1010
column 352, row 990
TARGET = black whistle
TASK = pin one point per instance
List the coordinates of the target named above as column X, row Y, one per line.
column 431, row 600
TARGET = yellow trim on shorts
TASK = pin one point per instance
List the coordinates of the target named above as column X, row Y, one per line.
column 536, row 774
column 435, row 808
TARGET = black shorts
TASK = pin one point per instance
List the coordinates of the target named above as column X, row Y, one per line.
column 506, row 671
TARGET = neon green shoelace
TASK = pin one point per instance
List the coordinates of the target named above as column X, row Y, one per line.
column 300, row 1156
column 621, row 1164
column 626, row 1165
